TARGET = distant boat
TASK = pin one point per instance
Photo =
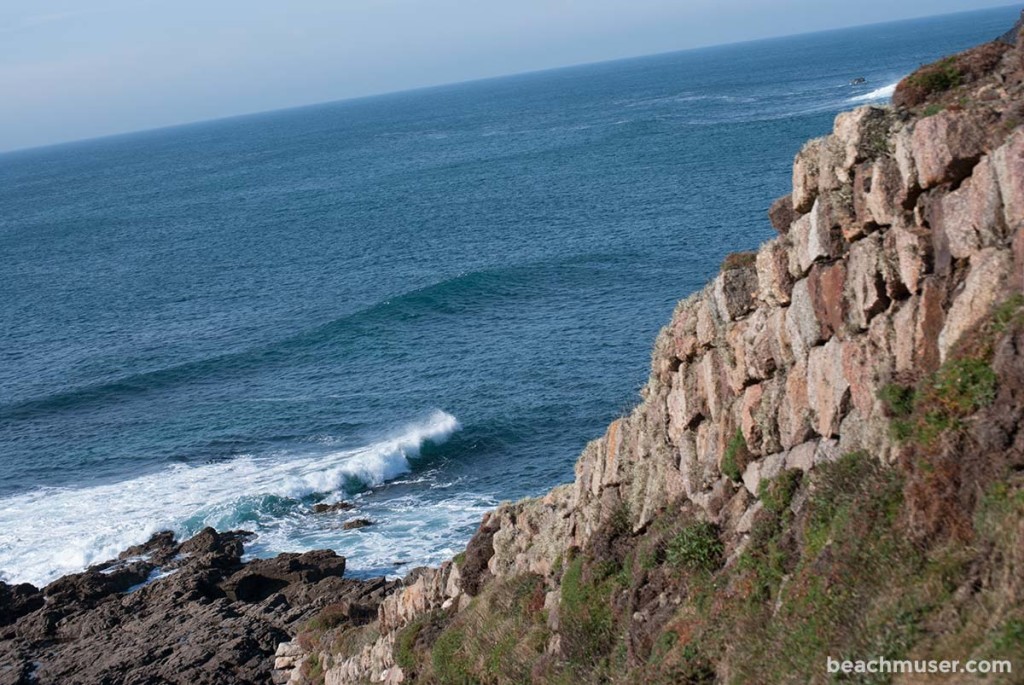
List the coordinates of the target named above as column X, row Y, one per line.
column 857, row 81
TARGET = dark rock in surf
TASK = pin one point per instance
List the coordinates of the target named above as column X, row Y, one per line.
column 164, row 612
column 331, row 508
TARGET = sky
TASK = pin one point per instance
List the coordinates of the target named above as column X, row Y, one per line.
column 74, row 69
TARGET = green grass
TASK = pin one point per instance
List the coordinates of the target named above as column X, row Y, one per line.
column 696, row 547
column 941, row 401
column 586, row 615
column 450, row 665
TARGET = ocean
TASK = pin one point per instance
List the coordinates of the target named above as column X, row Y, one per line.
column 422, row 303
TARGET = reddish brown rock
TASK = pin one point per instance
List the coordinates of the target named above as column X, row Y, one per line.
column 903, row 155
column 734, row 291
column 882, row 202
column 758, row 350
column 805, row 331
column 862, row 134
column 946, row 146
column 1008, row 162
column 971, row 217
column 928, row 324
column 794, row 417
column 825, row 285
column 815, row 236
column 912, row 248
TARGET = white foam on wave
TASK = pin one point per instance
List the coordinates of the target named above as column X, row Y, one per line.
column 50, row 532
column 882, row 93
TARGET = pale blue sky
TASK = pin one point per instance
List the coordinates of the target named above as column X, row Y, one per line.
column 72, row 69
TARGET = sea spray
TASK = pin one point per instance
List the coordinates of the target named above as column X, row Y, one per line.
column 49, row 532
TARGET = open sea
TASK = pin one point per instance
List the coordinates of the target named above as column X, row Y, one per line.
column 423, row 303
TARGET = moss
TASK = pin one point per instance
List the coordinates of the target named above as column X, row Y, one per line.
column 697, row 547
column 313, row 670
column 1011, row 637
column 619, row 522
column 1008, row 313
column 736, row 457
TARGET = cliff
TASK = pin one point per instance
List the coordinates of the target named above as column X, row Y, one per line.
column 826, row 459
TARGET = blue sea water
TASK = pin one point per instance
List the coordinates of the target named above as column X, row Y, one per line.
column 425, row 302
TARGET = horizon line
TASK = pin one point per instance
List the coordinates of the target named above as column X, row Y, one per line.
column 483, row 79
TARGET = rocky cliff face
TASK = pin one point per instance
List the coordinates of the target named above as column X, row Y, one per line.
column 894, row 277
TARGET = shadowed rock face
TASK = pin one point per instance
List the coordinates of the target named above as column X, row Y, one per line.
column 165, row 612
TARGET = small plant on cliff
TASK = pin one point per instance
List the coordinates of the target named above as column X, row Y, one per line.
column 697, row 547
column 738, row 260
column 897, row 399
column 777, row 493
column 941, row 401
column 736, row 457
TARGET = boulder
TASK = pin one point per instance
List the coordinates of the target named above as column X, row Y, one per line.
column 984, row 287
column 971, row 217
column 946, row 146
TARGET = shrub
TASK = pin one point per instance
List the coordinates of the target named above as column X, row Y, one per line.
column 898, row 400
column 697, row 547
column 777, row 493
column 938, row 77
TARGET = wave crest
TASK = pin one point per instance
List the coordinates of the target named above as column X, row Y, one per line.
column 49, row 532
column 883, row 93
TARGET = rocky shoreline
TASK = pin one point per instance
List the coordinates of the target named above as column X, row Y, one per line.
column 177, row 612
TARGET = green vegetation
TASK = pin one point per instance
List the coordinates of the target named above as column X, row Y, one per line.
column 938, row 77
column 696, row 547
column 776, row 494
column 959, row 388
column 736, row 457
